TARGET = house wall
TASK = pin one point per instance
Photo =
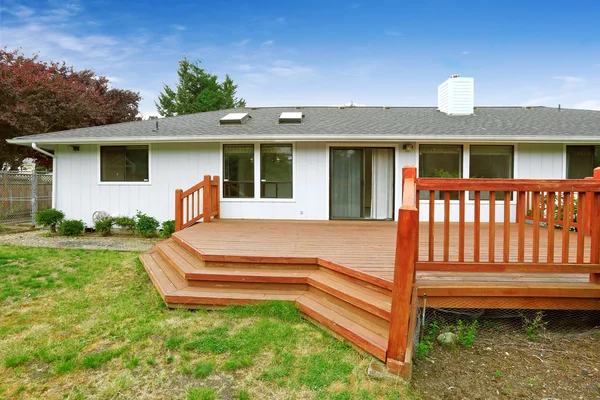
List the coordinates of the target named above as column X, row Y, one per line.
column 180, row 165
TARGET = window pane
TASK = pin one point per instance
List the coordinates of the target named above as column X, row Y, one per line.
column 440, row 161
column 238, row 171
column 491, row 162
column 136, row 163
column 112, row 163
column 581, row 161
column 276, row 171
column 124, row 163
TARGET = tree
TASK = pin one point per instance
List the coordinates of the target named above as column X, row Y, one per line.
column 41, row 97
column 197, row 91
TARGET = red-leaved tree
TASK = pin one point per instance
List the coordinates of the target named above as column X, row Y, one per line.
column 41, row 97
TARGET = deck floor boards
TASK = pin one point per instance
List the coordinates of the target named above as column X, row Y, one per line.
column 368, row 247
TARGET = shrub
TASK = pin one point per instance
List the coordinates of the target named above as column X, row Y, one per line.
column 167, row 228
column 71, row 227
column 1, row 228
column 104, row 226
column 127, row 223
column 49, row 218
column 145, row 225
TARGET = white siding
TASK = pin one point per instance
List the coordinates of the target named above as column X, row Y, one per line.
column 181, row 165
column 539, row 161
column 172, row 166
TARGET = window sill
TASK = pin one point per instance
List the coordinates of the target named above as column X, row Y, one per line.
column 125, row 183
column 236, row 200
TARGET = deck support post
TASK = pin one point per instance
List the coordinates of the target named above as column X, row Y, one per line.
column 206, row 199
column 178, row 210
column 404, row 276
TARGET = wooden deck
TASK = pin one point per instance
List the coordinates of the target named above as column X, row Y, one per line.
column 340, row 274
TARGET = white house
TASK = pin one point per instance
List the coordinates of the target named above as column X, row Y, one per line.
column 313, row 162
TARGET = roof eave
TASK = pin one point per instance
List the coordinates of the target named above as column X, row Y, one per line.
column 306, row 138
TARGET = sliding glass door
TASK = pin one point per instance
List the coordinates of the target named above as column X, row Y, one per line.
column 361, row 183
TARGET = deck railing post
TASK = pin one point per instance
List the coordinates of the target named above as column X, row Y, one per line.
column 206, row 200
column 178, row 210
column 217, row 204
column 407, row 242
column 593, row 212
column 404, row 271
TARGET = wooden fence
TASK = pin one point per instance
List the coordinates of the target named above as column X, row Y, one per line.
column 201, row 201
column 543, row 202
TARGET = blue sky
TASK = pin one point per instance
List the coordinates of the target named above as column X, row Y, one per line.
column 326, row 52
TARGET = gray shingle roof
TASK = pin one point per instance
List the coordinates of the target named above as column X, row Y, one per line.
column 350, row 123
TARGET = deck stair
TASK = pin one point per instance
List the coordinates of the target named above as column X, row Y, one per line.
column 356, row 310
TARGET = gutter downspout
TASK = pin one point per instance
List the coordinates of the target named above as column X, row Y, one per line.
column 46, row 153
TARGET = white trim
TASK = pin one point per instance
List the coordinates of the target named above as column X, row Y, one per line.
column 564, row 161
column 316, row 138
column 118, row 183
column 257, row 180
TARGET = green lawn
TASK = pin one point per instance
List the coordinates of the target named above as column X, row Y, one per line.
column 78, row 324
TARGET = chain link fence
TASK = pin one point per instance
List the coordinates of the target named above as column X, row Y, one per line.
column 22, row 194
column 509, row 325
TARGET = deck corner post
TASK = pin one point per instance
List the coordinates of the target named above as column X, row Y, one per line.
column 404, row 274
column 178, row 210
column 206, row 199
column 594, row 212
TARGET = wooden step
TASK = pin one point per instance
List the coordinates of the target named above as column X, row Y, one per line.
column 164, row 277
column 180, row 259
column 345, row 324
column 227, row 296
column 354, row 293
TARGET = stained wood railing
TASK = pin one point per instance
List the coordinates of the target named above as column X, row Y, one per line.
column 201, row 201
column 501, row 241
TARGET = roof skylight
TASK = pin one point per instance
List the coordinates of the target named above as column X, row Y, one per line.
column 234, row 119
column 291, row 118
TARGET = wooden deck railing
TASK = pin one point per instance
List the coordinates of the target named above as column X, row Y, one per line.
column 550, row 203
column 201, row 201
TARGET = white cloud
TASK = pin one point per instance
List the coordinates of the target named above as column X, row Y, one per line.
column 245, row 67
column 267, row 43
column 280, row 20
column 288, row 69
column 393, row 32
column 178, row 27
column 569, row 79
column 354, row 5
column 465, row 53
column 113, row 79
column 241, row 43
column 588, row 105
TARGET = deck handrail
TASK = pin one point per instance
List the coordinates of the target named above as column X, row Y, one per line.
column 535, row 201
column 202, row 196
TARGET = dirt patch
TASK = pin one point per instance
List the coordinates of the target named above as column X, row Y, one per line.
column 506, row 365
column 41, row 238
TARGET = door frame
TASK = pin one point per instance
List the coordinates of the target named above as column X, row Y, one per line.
column 331, row 147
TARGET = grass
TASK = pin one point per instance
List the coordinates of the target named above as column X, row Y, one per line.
column 77, row 324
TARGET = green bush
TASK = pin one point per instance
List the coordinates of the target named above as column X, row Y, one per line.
column 1, row 228
column 167, row 228
column 126, row 223
column 145, row 225
column 71, row 227
column 104, row 226
column 49, row 218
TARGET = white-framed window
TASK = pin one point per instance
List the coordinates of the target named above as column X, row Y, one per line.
column 276, row 171
column 272, row 163
column 125, row 163
column 440, row 161
column 238, row 171
column 491, row 161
